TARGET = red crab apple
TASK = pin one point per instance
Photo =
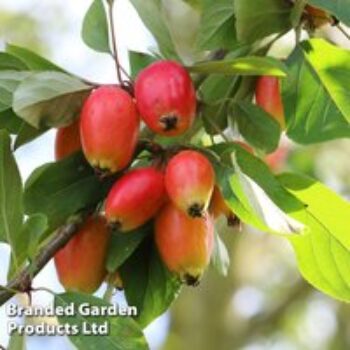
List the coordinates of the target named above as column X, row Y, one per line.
column 135, row 198
column 166, row 98
column 109, row 128
column 80, row 264
column 67, row 140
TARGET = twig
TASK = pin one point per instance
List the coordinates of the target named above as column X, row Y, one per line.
column 342, row 30
column 114, row 47
column 22, row 283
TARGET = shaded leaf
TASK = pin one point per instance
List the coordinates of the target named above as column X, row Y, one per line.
column 139, row 61
column 148, row 284
column 257, row 126
column 123, row 245
column 217, row 27
column 32, row 60
column 49, row 99
column 60, row 189
column 257, row 19
column 11, row 209
column 124, row 333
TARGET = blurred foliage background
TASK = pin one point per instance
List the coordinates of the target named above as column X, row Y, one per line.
column 263, row 303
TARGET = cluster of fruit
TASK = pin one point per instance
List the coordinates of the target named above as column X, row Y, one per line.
column 178, row 192
column 175, row 192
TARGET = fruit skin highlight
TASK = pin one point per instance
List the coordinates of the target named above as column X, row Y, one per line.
column 67, row 140
column 80, row 264
column 219, row 207
column 135, row 198
column 189, row 181
column 109, row 128
column 185, row 244
column 268, row 97
column 166, row 98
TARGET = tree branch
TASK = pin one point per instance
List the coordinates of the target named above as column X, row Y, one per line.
column 22, row 283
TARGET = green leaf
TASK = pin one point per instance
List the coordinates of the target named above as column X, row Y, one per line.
column 220, row 258
column 216, row 93
column 10, row 121
column 252, row 65
column 139, row 61
column 9, row 81
column 10, row 62
column 49, row 99
column 33, row 229
column 253, row 193
column 148, row 284
column 152, row 16
column 217, row 27
column 32, row 60
column 257, row 19
column 339, row 8
column 26, row 134
column 316, row 93
column 61, row 189
column 257, row 126
column 122, row 246
column 17, row 342
column 124, row 333
column 323, row 251
column 95, row 27
column 11, row 209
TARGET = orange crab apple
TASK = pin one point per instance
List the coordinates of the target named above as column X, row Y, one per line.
column 268, row 97
column 189, row 181
column 185, row 244
column 80, row 265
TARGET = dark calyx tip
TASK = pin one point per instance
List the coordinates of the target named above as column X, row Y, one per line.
column 192, row 281
column 232, row 221
column 196, row 210
column 169, row 122
column 115, row 226
column 102, row 173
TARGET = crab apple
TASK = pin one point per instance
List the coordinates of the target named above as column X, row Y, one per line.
column 185, row 244
column 80, row 264
column 268, row 97
column 219, row 207
column 189, row 181
column 67, row 140
column 166, row 98
column 109, row 128
column 135, row 198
